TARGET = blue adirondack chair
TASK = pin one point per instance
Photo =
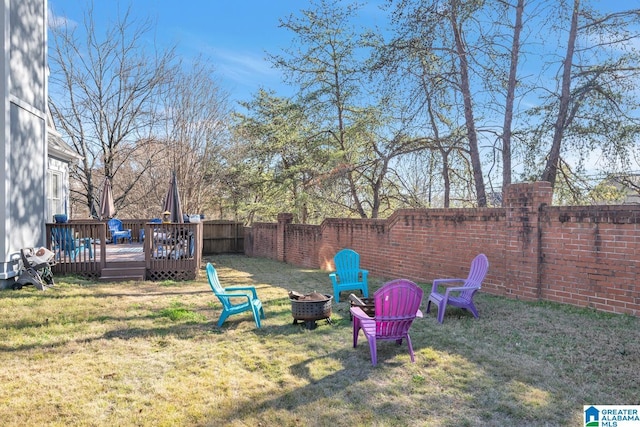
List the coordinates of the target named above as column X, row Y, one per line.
column 65, row 243
column 460, row 296
column 229, row 297
column 151, row 221
column 348, row 275
column 117, row 231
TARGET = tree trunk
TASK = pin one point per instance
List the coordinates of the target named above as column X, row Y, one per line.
column 465, row 88
column 511, row 89
column 551, row 169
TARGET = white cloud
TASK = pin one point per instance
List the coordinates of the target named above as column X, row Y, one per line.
column 244, row 64
column 242, row 70
column 59, row 21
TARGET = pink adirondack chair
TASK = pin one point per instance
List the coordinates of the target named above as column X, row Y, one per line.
column 397, row 304
column 464, row 298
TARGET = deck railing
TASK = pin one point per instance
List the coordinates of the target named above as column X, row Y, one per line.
column 172, row 252
column 79, row 247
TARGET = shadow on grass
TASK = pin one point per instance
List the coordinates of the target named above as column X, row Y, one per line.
column 50, row 293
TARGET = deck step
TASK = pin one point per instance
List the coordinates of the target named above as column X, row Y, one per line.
column 119, row 274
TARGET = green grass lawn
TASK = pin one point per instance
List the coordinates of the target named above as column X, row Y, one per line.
column 150, row 354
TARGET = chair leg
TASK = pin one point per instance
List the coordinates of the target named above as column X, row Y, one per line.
column 223, row 317
column 87, row 244
column 473, row 310
column 428, row 306
column 356, row 331
column 256, row 317
column 373, row 349
column 441, row 307
column 410, row 348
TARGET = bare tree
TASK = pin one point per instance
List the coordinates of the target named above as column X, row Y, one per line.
column 195, row 119
column 596, row 107
column 428, row 54
column 103, row 98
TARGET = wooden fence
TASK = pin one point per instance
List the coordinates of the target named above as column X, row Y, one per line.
column 220, row 237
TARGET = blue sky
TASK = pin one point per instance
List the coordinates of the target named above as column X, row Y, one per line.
column 234, row 35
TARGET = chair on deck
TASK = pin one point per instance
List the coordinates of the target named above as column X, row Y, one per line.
column 230, row 296
column 151, row 221
column 348, row 275
column 396, row 304
column 117, row 231
column 65, row 243
column 465, row 293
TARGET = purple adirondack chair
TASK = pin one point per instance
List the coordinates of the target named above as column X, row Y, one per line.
column 464, row 298
column 397, row 304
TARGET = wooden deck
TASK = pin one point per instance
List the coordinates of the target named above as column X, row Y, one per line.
column 173, row 252
column 124, row 252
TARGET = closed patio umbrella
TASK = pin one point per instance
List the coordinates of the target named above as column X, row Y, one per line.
column 107, row 208
column 172, row 201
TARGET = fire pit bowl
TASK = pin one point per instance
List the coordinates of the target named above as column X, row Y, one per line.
column 310, row 310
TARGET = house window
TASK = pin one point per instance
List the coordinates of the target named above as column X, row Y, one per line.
column 54, row 195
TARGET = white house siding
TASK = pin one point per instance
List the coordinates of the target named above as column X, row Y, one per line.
column 23, row 149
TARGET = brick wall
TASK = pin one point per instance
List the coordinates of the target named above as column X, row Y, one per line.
column 591, row 257
column 585, row 256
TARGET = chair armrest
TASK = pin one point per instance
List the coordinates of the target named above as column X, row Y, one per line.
column 231, row 295
column 357, row 312
column 364, row 275
column 334, row 278
column 436, row 282
column 243, row 288
column 461, row 288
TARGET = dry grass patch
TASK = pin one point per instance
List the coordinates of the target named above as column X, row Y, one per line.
column 149, row 354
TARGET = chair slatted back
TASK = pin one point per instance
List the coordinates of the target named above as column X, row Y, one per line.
column 396, row 305
column 115, row 224
column 214, row 283
column 347, row 262
column 63, row 239
column 477, row 272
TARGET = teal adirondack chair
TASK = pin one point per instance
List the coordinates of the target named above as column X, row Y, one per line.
column 65, row 243
column 348, row 275
column 230, row 296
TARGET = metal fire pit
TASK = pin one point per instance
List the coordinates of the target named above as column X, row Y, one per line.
column 309, row 311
